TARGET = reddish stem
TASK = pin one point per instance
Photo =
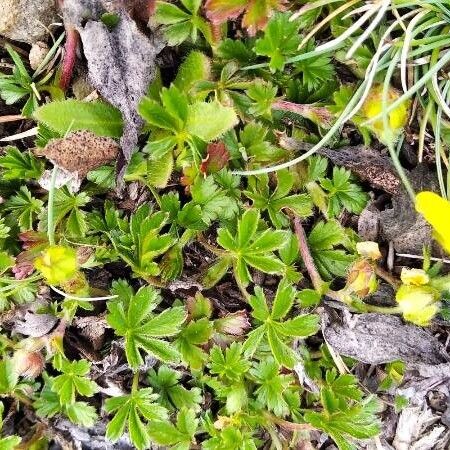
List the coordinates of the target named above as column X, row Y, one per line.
column 70, row 55
column 308, row 260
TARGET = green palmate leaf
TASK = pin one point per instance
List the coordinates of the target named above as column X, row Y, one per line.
column 24, row 208
column 356, row 421
column 190, row 340
column 231, row 438
column 140, row 241
column 130, row 413
column 343, row 194
column 67, row 212
column 104, row 177
column 281, row 40
column 19, row 165
column 214, row 202
column 263, row 95
column 323, row 239
column 230, row 365
column 70, row 115
column 276, row 331
column 179, row 436
column 278, row 200
column 272, row 386
column 48, row 405
column 134, row 319
column 252, row 248
column 73, row 381
column 172, row 394
column 180, row 24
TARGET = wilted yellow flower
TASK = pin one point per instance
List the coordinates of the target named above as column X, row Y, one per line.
column 368, row 249
column 361, row 279
column 398, row 117
column 418, row 303
column 436, row 211
column 414, row 277
column 57, row 264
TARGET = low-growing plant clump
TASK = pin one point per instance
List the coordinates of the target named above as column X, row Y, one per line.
column 178, row 294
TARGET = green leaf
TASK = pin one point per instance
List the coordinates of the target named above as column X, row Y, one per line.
column 278, row 332
column 73, row 381
column 343, row 194
column 71, row 115
column 281, row 40
column 172, row 393
column 8, row 376
column 322, row 240
column 190, row 341
column 19, row 165
column 130, row 412
column 179, row 436
column 133, row 318
column 210, row 120
column 230, row 365
column 272, row 386
column 251, row 248
column 24, row 208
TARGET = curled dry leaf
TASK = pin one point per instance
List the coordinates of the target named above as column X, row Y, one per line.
column 80, row 152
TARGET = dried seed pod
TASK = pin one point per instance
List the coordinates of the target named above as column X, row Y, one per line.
column 80, row 152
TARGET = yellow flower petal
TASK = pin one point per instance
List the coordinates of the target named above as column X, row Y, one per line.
column 418, row 303
column 436, row 211
column 414, row 277
column 57, row 264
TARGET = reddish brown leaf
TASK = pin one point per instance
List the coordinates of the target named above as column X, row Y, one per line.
column 256, row 12
column 217, row 157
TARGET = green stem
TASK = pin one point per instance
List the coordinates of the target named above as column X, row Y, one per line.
column 384, row 309
column 50, row 218
column 135, row 385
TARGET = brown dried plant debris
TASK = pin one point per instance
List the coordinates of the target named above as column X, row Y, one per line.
column 80, row 152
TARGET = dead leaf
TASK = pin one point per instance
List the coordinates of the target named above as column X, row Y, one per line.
column 121, row 61
column 34, row 325
column 80, row 152
column 381, row 338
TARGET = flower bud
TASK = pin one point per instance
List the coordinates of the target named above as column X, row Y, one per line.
column 368, row 249
column 361, row 278
column 234, row 323
column 27, row 363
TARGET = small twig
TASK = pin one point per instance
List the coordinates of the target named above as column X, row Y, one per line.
column 11, row 118
column 291, row 426
column 386, row 276
column 308, row 260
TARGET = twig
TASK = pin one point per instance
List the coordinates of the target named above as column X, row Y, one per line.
column 11, row 118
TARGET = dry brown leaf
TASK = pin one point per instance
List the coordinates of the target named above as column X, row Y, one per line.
column 80, row 152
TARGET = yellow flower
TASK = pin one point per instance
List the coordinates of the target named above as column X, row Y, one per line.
column 436, row 211
column 418, row 303
column 361, row 278
column 397, row 117
column 368, row 249
column 57, row 264
column 414, row 277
